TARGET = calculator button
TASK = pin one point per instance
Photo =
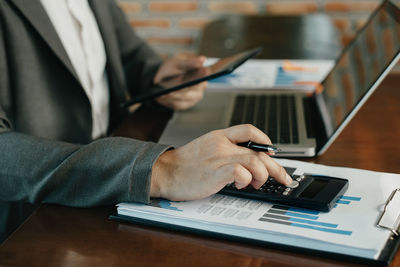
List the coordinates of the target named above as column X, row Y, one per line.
column 262, row 189
column 293, row 184
column 285, row 193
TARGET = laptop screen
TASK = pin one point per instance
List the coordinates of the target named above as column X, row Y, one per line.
column 360, row 67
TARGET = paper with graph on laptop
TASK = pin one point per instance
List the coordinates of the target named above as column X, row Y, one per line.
column 349, row 228
column 273, row 74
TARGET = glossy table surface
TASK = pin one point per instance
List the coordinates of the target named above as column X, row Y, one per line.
column 61, row 236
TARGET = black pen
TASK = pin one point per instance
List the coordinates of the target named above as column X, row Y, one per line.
column 259, row 147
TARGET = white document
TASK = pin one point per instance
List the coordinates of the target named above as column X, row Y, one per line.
column 349, row 228
column 273, row 74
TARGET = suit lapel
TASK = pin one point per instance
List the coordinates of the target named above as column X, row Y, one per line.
column 105, row 22
column 37, row 17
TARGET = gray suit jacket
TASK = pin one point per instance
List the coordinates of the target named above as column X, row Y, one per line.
column 46, row 151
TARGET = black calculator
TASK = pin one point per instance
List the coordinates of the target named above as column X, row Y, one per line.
column 308, row 191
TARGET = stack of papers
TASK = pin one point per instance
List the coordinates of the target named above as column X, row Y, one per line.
column 349, row 228
column 273, row 74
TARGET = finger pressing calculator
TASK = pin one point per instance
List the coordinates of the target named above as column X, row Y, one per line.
column 306, row 191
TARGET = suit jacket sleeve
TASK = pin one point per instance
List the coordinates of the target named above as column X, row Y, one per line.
column 104, row 172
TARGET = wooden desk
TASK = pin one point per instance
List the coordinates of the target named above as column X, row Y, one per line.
column 60, row 236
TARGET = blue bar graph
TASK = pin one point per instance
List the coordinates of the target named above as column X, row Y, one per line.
column 351, row 198
column 332, row 225
column 329, row 230
column 346, row 200
column 164, row 204
column 303, row 218
column 293, row 209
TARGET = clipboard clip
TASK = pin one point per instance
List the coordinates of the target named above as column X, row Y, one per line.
column 390, row 216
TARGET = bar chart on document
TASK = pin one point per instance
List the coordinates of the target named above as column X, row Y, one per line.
column 275, row 214
column 309, row 219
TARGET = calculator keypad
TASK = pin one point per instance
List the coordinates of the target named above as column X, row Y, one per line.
column 273, row 187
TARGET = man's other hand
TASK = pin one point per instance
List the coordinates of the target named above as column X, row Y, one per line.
column 187, row 97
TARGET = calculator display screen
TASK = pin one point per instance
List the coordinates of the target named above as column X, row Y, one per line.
column 315, row 187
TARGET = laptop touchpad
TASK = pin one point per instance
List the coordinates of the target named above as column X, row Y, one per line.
column 210, row 114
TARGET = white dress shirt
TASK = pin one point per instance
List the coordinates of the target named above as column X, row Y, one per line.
column 78, row 31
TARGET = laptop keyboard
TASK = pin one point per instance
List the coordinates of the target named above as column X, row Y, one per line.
column 274, row 114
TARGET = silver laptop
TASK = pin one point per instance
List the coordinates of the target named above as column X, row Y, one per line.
column 303, row 125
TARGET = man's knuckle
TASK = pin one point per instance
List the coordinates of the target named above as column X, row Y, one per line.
column 253, row 161
column 248, row 129
column 236, row 170
column 214, row 133
column 248, row 126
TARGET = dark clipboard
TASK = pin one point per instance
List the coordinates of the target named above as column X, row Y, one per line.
column 385, row 257
column 222, row 67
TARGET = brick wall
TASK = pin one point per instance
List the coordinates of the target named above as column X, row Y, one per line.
column 175, row 25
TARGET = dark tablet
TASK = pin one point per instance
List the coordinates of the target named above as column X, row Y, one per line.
column 222, row 67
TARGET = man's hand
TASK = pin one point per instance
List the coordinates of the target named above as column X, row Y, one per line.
column 187, row 97
column 208, row 163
